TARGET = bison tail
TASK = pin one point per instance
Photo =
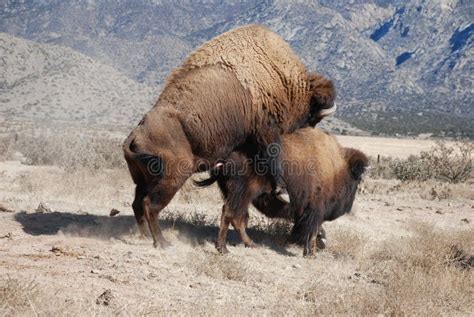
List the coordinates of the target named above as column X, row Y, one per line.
column 215, row 173
column 206, row 182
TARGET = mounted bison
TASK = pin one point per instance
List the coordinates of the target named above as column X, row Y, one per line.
column 321, row 178
column 242, row 89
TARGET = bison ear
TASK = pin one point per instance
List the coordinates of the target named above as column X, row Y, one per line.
column 358, row 162
column 323, row 92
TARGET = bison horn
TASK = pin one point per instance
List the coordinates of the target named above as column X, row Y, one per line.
column 328, row 111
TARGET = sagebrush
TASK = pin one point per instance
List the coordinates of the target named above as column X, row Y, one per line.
column 446, row 162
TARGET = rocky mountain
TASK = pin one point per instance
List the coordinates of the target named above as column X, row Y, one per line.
column 399, row 66
column 49, row 82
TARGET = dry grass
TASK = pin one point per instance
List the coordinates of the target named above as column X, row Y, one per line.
column 70, row 151
column 421, row 274
column 220, row 267
column 17, row 297
column 359, row 273
column 428, row 190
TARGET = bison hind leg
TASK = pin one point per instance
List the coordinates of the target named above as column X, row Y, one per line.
column 240, row 224
column 226, row 219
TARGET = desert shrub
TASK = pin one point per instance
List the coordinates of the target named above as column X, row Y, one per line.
column 380, row 168
column 7, row 143
column 413, row 168
column 452, row 163
column 71, row 152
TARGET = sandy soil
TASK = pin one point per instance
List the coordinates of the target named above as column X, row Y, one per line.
column 71, row 252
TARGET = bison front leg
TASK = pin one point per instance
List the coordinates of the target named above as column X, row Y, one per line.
column 151, row 215
column 138, row 210
column 158, row 198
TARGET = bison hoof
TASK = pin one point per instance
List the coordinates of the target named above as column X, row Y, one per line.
column 222, row 249
column 252, row 245
column 162, row 243
column 321, row 243
column 165, row 244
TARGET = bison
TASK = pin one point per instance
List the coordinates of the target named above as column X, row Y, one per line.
column 240, row 90
column 321, row 178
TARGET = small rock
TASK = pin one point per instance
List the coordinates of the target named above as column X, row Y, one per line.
column 94, row 271
column 114, row 212
column 57, row 250
column 465, row 220
column 296, row 266
column 439, row 212
column 8, row 236
column 400, row 209
column 105, row 298
column 42, row 207
column 5, row 209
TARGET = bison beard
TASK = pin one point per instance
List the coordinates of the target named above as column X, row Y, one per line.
column 320, row 195
column 242, row 89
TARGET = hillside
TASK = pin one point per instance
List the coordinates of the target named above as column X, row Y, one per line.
column 49, row 82
column 399, row 66
column 44, row 82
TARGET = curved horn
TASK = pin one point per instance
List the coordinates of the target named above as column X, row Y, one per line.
column 328, row 111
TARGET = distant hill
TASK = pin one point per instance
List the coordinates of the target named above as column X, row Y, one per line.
column 41, row 81
column 399, row 66
column 44, row 83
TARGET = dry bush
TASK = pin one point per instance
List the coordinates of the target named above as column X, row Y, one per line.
column 16, row 296
column 72, row 152
column 451, row 163
column 429, row 190
column 46, row 184
column 380, row 168
column 411, row 169
column 7, row 148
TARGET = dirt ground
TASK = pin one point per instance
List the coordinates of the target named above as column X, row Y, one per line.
column 392, row 255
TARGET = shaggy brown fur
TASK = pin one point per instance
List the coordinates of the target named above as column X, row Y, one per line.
column 266, row 65
column 321, row 178
column 242, row 89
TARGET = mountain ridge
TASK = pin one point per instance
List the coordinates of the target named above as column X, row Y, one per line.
column 387, row 57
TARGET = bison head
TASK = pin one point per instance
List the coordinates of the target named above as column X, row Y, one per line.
column 358, row 163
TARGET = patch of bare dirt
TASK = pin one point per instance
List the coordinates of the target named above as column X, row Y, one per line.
column 402, row 251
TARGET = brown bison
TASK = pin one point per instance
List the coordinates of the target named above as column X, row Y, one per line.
column 242, row 89
column 321, row 178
